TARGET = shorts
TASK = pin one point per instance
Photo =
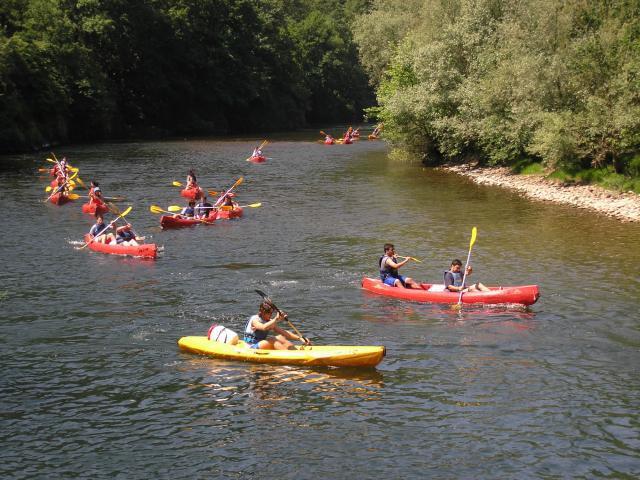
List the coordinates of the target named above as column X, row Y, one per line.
column 392, row 280
column 252, row 343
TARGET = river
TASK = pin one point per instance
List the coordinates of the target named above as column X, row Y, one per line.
column 94, row 385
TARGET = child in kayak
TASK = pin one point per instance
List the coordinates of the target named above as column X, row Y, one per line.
column 453, row 279
column 126, row 236
column 256, row 333
column 95, row 195
column 188, row 211
column 389, row 266
column 191, row 180
column 228, row 201
column 99, row 227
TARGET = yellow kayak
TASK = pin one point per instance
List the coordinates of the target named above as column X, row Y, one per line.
column 326, row 355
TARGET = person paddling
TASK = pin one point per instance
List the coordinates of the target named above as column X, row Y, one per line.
column 228, row 201
column 257, row 152
column 188, row 211
column 389, row 266
column 126, row 236
column 453, row 279
column 95, row 195
column 98, row 231
column 203, row 209
column 256, row 332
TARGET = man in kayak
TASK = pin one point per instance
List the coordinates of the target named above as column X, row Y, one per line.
column 256, row 333
column 389, row 266
column 203, row 208
column 453, row 279
column 100, row 229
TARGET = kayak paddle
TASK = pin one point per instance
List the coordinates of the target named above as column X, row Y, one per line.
column 410, row 258
column 474, row 233
column 270, row 302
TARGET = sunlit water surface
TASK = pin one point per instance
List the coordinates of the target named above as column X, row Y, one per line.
column 93, row 384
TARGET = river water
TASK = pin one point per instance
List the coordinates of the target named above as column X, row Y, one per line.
column 93, row 384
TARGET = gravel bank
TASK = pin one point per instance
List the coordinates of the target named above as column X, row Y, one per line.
column 623, row 206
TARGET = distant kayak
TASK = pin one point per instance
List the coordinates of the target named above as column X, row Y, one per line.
column 145, row 250
column 434, row 293
column 237, row 212
column 93, row 208
column 169, row 221
column 328, row 356
column 59, row 198
column 258, row 159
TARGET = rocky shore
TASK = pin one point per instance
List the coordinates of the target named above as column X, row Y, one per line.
column 623, row 206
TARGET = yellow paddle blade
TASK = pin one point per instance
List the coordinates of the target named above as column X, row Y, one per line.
column 474, row 233
column 176, row 184
column 255, row 205
column 126, row 211
column 43, row 170
column 174, row 208
column 81, row 183
column 213, row 192
column 74, row 169
column 156, row 209
column 48, row 189
column 72, row 183
column 227, row 208
column 73, row 196
column 51, row 160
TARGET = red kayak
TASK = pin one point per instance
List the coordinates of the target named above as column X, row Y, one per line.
column 148, row 250
column 236, row 212
column 258, row 159
column 59, row 198
column 169, row 221
column 330, row 142
column 192, row 193
column 434, row 293
column 93, row 208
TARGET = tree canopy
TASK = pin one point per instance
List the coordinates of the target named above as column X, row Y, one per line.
column 503, row 80
column 86, row 70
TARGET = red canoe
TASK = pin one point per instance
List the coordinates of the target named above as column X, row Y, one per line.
column 192, row 193
column 258, row 159
column 59, row 199
column 228, row 214
column 92, row 208
column 169, row 221
column 525, row 295
column 147, row 250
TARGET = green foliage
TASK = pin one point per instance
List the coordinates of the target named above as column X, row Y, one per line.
column 76, row 70
column 503, row 80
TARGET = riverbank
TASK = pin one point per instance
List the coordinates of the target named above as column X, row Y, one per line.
column 623, row 206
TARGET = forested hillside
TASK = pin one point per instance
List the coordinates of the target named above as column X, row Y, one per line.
column 507, row 81
column 86, row 70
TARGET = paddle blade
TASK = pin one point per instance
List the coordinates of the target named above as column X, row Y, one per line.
column 43, row 170
column 255, row 205
column 48, row 189
column 156, row 209
column 126, row 211
column 474, row 233
column 51, row 160
column 174, row 208
column 213, row 192
column 73, row 196
column 176, row 184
